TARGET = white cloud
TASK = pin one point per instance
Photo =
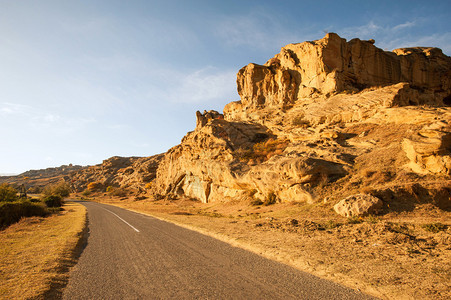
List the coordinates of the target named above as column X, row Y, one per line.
column 11, row 109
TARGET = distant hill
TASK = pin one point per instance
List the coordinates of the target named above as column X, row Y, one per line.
column 34, row 180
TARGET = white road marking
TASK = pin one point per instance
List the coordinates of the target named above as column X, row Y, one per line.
column 122, row 220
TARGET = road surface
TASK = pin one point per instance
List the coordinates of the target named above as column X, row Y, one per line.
column 133, row 256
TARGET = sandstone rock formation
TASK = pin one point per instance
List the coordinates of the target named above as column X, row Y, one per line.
column 358, row 205
column 332, row 65
column 130, row 172
column 321, row 120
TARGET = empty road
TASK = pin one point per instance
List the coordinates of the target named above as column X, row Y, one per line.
column 133, row 256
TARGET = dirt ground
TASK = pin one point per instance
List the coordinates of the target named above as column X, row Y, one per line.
column 396, row 256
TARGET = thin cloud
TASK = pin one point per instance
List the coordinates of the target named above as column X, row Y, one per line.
column 398, row 36
column 404, row 25
column 206, row 85
column 12, row 109
column 257, row 29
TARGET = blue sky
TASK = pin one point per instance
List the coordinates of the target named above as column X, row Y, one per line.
column 81, row 81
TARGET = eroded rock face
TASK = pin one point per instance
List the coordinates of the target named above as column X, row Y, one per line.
column 358, row 205
column 333, row 65
column 320, row 117
column 429, row 149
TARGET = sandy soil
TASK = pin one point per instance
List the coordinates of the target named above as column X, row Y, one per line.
column 396, row 256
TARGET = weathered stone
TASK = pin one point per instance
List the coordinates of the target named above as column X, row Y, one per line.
column 130, row 172
column 429, row 150
column 332, row 65
column 358, row 205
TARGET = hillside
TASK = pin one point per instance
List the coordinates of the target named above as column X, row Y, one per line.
column 322, row 121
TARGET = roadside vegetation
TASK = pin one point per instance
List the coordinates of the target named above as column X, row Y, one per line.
column 36, row 253
column 14, row 207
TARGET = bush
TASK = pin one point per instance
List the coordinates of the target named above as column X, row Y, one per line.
column 94, row 186
column 12, row 212
column 61, row 189
column 119, row 192
column 434, row 227
column 53, row 201
column 7, row 193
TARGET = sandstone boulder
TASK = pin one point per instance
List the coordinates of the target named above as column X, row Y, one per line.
column 429, row 150
column 358, row 205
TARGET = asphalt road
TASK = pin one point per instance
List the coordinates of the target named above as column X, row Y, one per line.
column 133, row 256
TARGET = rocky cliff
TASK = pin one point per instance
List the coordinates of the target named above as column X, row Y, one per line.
column 320, row 121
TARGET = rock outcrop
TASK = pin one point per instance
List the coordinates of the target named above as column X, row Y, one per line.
column 332, row 65
column 358, row 205
column 321, row 120
column 128, row 172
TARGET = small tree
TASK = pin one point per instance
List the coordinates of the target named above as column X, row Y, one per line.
column 7, row 193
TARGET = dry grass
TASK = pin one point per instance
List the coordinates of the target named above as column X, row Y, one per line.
column 393, row 256
column 35, row 253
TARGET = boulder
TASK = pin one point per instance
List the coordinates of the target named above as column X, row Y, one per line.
column 358, row 205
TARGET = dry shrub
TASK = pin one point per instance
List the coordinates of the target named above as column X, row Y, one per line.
column 94, row 186
column 262, row 151
column 119, row 192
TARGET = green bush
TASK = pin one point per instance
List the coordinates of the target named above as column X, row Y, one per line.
column 53, row 201
column 12, row 212
column 61, row 189
column 7, row 193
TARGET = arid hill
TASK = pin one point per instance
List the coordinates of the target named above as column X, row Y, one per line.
column 125, row 172
column 322, row 121
column 35, row 180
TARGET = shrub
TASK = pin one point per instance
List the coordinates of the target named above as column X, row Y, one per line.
column 434, row 227
column 86, row 193
column 94, row 186
column 12, row 212
column 7, row 193
column 119, row 192
column 53, row 201
column 262, row 151
column 61, row 189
